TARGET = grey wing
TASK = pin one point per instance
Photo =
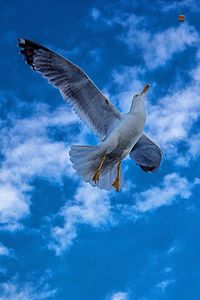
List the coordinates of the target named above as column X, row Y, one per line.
column 87, row 100
column 146, row 154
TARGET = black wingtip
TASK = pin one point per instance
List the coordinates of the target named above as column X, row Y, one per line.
column 21, row 42
column 28, row 43
column 27, row 50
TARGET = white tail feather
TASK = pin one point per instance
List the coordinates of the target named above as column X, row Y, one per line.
column 86, row 160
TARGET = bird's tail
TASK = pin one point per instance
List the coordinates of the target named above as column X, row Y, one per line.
column 86, row 160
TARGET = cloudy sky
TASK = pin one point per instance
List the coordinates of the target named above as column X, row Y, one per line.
column 59, row 237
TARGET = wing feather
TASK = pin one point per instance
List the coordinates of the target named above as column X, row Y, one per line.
column 146, row 154
column 86, row 99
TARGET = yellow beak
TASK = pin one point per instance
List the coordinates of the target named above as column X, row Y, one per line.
column 145, row 89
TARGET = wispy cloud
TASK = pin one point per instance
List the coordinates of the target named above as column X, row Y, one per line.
column 173, row 187
column 184, row 5
column 192, row 153
column 4, row 250
column 157, row 48
column 120, row 296
column 164, row 284
column 14, row 289
column 90, row 206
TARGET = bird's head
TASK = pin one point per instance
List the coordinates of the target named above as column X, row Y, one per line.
column 138, row 98
column 143, row 92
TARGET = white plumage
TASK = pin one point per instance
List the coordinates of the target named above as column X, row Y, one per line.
column 120, row 134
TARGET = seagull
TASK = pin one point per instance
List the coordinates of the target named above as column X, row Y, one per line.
column 119, row 134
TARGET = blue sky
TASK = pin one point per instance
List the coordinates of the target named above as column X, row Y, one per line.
column 59, row 237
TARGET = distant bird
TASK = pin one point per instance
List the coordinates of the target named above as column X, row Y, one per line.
column 120, row 134
column 181, row 18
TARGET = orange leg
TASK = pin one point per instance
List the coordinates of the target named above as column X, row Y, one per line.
column 116, row 182
column 96, row 175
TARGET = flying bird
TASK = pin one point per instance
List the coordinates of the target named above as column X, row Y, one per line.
column 120, row 134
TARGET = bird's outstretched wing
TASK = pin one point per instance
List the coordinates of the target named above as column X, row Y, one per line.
column 88, row 102
column 146, row 154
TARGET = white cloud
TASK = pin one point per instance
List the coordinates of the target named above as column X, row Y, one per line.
column 28, row 151
column 173, row 186
column 90, row 206
column 164, row 284
column 14, row 290
column 184, row 5
column 157, row 48
column 166, row 124
column 195, row 72
column 188, row 100
column 4, row 250
column 14, row 204
column 197, row 181
column 162, row 46
column 193, row 144
column 120, row 296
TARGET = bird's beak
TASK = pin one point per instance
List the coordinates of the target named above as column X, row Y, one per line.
column 145, row 89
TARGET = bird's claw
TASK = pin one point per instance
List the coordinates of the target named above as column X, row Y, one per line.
column 116, row 185
column 96, row 176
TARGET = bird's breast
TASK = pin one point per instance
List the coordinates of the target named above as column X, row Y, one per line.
column 125, row 135
column 131, row 127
